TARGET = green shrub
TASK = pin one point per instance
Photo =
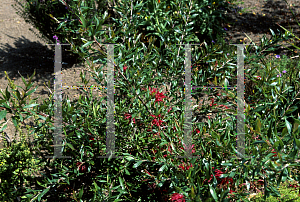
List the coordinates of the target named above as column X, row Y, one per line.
column 44, row 15
column 18, row 166
column 149, row 128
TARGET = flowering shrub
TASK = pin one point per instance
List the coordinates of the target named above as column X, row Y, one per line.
column 149, row 127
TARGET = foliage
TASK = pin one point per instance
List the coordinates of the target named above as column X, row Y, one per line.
column 149, row 127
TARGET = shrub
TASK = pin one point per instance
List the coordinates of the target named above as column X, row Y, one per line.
column 147, row 122
column 44, row 15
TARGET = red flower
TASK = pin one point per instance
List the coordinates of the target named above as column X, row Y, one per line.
column 169, row 110
column 159, row 97
column 156, row 122
column 212, row 102
column 222, row 106
column 197, row 131
column 124, row 68
column 81, row 167
column 177, row 198
column 153, row 91
column 127, row 116
column 221, row 181
column 92, row 139
column 185, row 167
column 275, row 153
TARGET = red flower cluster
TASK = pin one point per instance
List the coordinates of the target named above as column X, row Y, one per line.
column 81, row 167
column 295, row 186
column 128, row 116
column 212, row 102
column 221, row 181
column 155, row 121
column 184, row 166
column 159, row 97
column 177, row 198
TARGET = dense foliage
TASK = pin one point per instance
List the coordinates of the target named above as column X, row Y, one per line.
column 149, row 126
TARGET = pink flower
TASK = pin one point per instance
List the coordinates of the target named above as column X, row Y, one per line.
column 169, row 110
column 177, row 198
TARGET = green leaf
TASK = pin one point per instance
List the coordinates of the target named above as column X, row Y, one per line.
column 226, row 164
column 162, row 168
column 83, row 21
column 291, row 110
column 18, row 95
column 87, row 44
column 70, row 146
column 127, row 172
column 295, row 127
column 279, row 140
column 213, row 192
column 258, row 125
column 3, row 114
column 137, row 164
column 31, row 105
column 31, row 91
column 288, row 125
column 129, row 158
column 14, row 121
column 3, row 128
column 80, row 193
column 258, row 109
column 121, row 182
column 297, row 141
column 42, row 194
